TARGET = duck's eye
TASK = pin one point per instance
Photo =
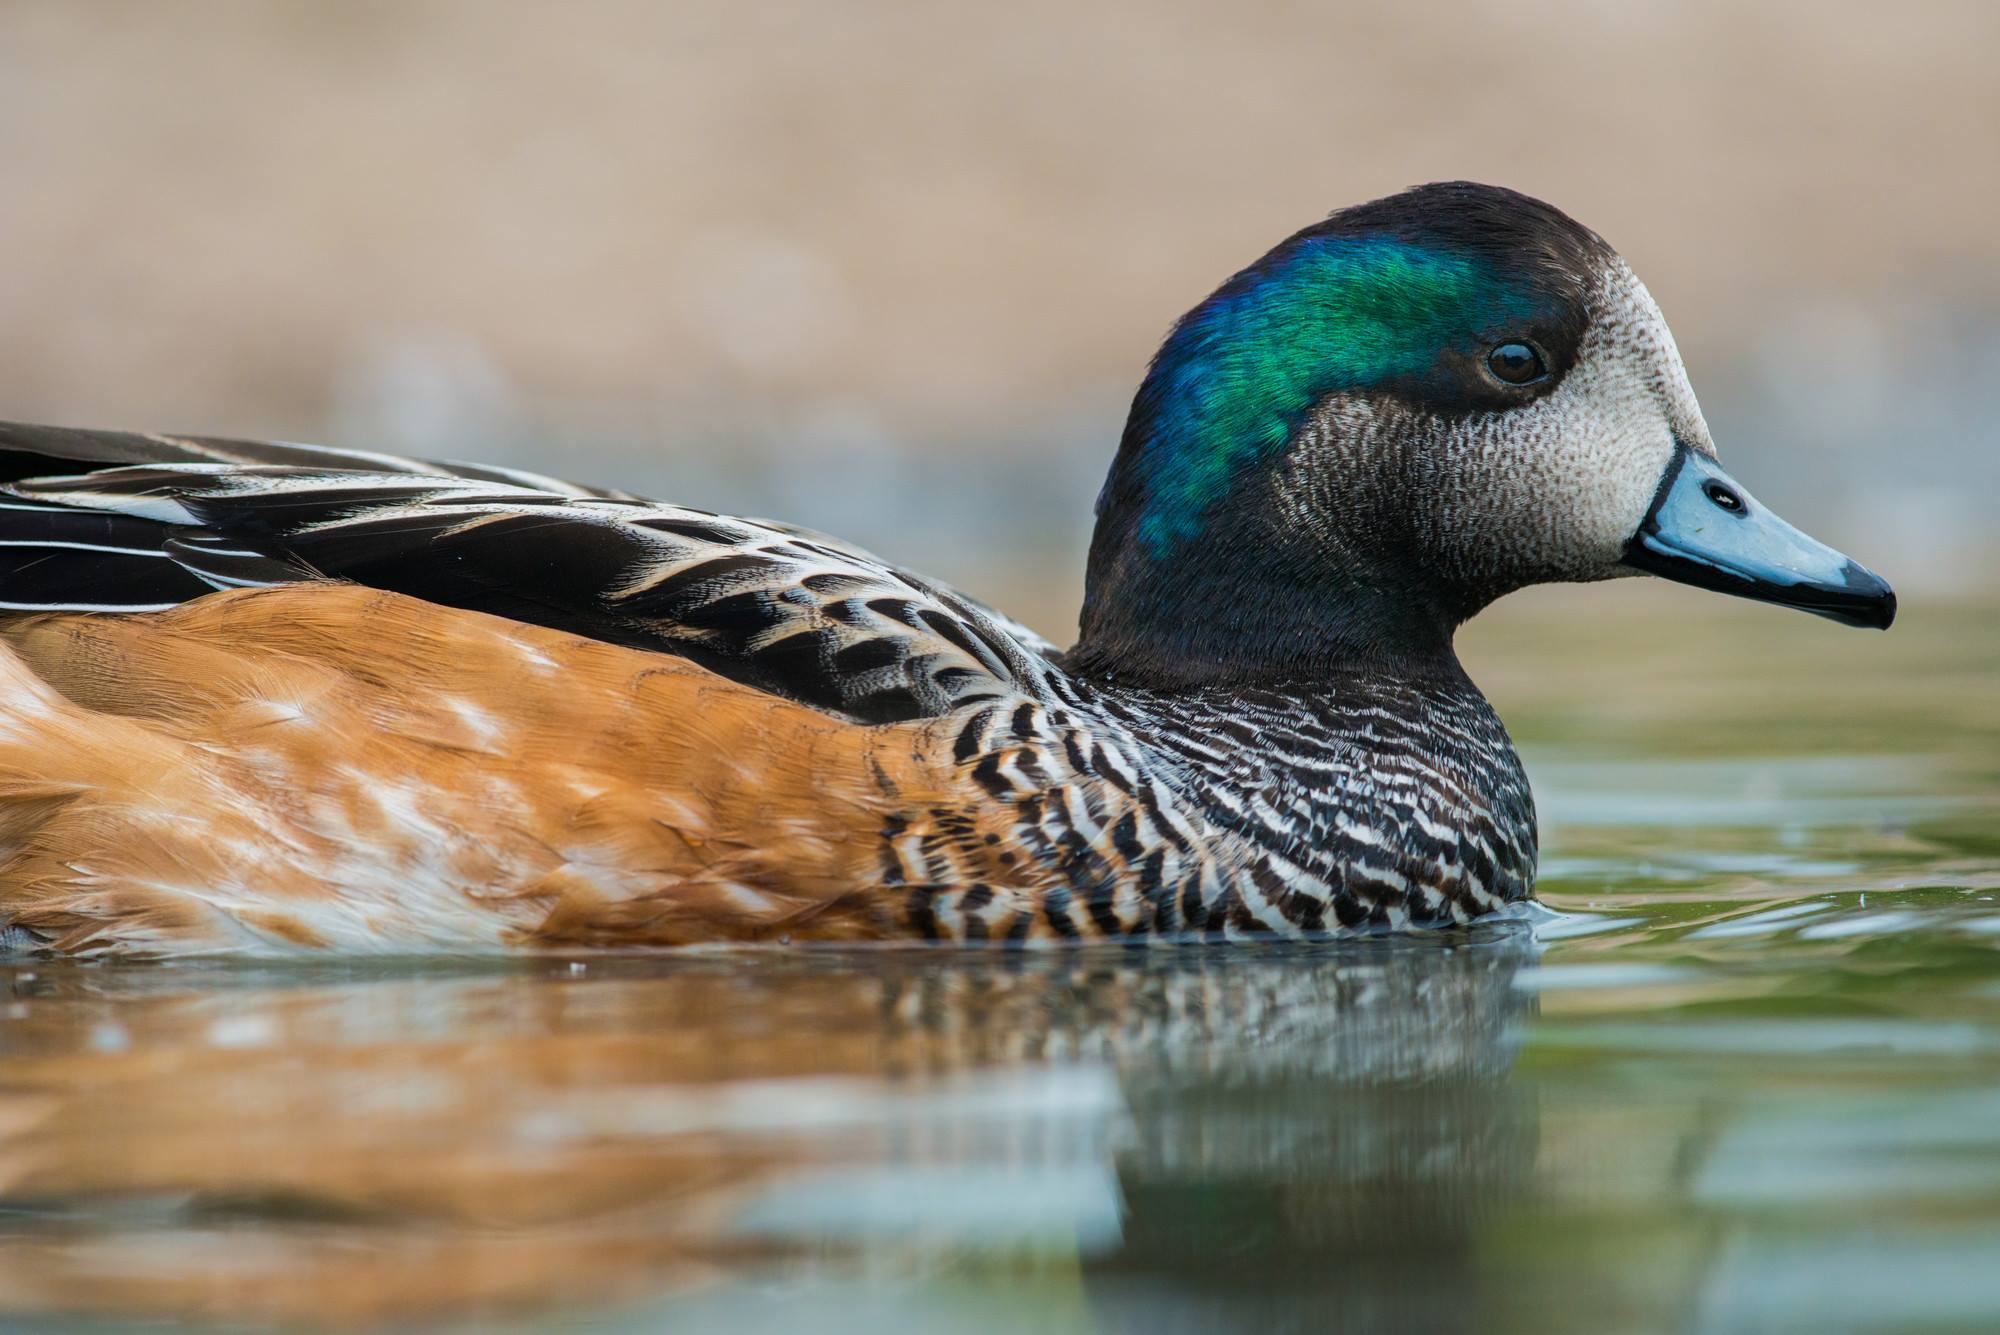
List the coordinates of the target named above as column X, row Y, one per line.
column 1516, row 364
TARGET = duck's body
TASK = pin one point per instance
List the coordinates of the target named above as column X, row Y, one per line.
column 264, row 697
column 789, row 741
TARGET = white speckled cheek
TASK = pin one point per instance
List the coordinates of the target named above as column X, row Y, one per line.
column 1550, row 491
column 1577, row 470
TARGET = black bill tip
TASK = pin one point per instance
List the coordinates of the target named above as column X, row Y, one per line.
column 1705, row 529
column 1863, row 598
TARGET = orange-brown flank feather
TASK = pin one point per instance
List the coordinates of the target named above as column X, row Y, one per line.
column 323, row 765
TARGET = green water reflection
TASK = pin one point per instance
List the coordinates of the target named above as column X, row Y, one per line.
column 1742, row 1074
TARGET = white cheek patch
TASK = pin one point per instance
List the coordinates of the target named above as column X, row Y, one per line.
column 1550, row 491
column 1570, row 477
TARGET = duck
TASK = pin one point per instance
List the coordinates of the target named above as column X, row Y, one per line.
column 264, row 698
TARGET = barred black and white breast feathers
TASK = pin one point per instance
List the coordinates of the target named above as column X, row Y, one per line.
column 773, row 607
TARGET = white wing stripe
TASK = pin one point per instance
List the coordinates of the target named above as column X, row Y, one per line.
column 83, row 547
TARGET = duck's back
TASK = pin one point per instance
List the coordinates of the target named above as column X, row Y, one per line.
column 162, row 520
column 261, row 696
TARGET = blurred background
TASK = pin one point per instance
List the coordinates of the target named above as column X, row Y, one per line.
column 893, row 271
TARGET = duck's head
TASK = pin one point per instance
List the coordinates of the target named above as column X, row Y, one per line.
column 1395, row 417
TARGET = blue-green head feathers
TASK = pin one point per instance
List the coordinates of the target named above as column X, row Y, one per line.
column 1323, row 313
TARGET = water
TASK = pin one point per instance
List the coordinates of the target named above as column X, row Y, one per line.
column 1742, row 1074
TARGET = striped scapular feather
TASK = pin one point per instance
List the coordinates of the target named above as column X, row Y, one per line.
column 773, row 606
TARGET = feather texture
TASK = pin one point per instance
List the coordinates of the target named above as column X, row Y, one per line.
column 769, row 605
column 380, row 708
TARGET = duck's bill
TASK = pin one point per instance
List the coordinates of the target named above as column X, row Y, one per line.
column 1705, row 529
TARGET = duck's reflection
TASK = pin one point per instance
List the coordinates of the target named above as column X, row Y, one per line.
column 342, row 1144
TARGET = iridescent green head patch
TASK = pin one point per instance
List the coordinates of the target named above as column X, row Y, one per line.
column 1237, row 377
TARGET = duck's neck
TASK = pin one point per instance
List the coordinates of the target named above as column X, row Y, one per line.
column 1290, row 576
column 1201, row 625
column 1255, row 601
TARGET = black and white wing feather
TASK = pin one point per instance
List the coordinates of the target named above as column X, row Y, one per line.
column 774, row 607
column 31, row 450
column 54, row 557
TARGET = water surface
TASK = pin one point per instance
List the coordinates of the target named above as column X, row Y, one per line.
column 1743, row 1074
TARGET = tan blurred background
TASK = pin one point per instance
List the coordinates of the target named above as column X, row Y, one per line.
column 894, row 270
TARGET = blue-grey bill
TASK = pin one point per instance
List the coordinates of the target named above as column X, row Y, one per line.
column 1705, row 529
